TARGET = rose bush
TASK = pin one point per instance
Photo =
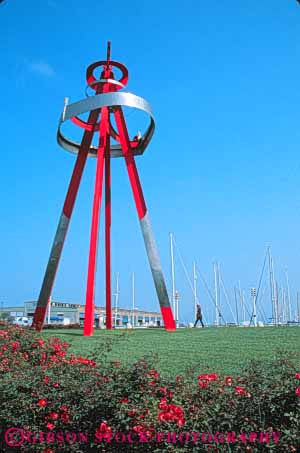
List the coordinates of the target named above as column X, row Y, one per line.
column 63, row 402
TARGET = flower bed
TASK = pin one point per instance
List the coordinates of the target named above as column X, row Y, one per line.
column 53, row 401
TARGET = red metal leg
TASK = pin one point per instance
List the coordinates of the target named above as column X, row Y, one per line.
column 107, row 235
column 103, row 151
column 61, row 232
column 90, row 291
column 150, row 244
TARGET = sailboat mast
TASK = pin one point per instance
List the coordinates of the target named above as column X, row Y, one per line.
column 288, row 296
column 241, row 297
column 274, row 320
column 116, row 299
column 244, row 305
column 236, row 306
column 283, row 304
column 219, row 292
column 195, row 290
column 133, row 298
column 276, row 303
column 216, row 292
column 254, row 294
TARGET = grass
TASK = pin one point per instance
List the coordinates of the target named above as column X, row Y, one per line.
column 224, row 350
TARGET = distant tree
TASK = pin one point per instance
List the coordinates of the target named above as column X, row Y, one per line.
column 4, row 316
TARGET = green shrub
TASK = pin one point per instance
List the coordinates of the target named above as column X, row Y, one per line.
column 45, row 389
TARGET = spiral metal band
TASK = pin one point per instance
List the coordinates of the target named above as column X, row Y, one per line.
column 97, row 82
column 124, row 99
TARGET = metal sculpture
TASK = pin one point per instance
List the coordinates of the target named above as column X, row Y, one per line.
column 106, row 102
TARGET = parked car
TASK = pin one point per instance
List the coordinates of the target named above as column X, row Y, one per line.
column 22, row 321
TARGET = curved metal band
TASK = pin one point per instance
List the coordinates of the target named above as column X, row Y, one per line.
column 110, row 81
column 106, row 100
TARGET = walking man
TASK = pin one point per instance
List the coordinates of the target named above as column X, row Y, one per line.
column 198, row 316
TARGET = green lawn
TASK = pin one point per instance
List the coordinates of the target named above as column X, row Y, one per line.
column 225, row 350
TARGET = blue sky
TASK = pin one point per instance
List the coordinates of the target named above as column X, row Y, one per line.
column 222, row 171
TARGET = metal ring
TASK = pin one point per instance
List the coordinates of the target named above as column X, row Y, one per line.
column 111, row 81
column 106, row 100
column 90, row 71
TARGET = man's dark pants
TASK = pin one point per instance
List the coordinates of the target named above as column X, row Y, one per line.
column 199, row 319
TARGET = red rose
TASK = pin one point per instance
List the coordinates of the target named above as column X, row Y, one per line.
column 50, row 426
column 153, row 373
column 164, row 390
column 42, row 402
column 212, row 377
column 203, row 376
column 163, row 403
column 297, row 392
column 104, row 428
column 181, row 422
column 164, row 416
column 240, row 390
column 56, row 347
column 65, row 417
column 228, row 381
column 297, row 376
column 53, row 415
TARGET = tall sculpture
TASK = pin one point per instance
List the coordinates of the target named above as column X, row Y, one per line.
column 105, row 104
